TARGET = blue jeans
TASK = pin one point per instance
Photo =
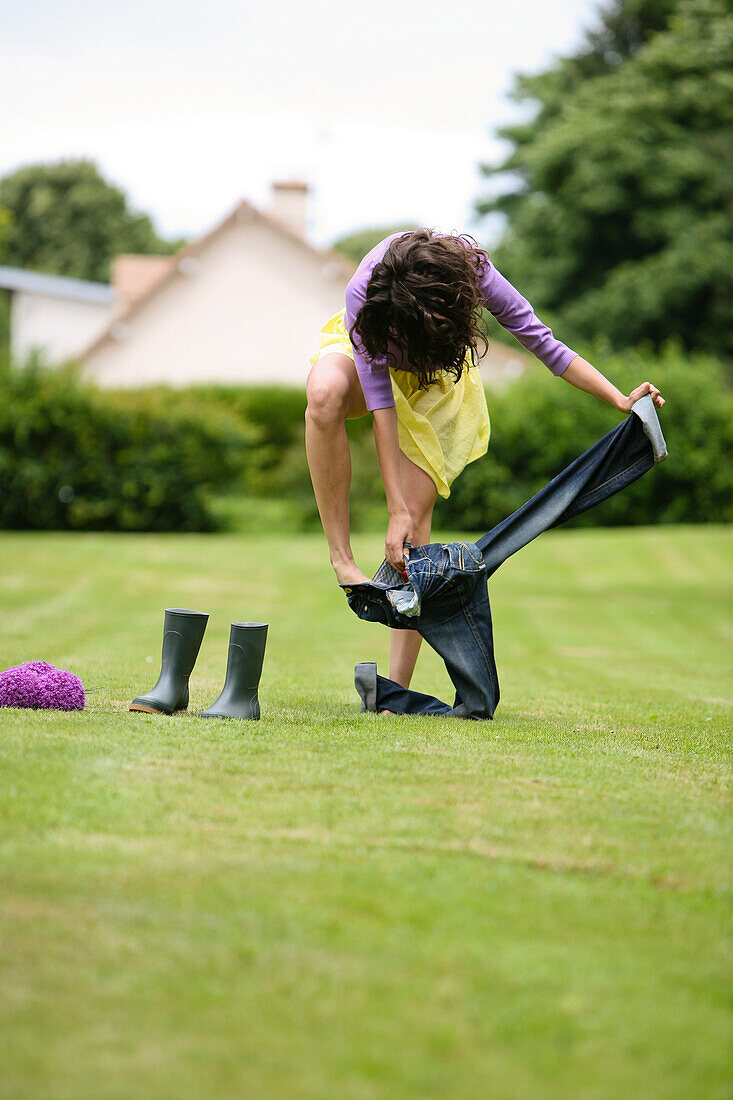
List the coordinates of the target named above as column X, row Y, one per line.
column 445, row 597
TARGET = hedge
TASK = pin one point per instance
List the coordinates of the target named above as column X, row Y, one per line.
column 196, row 458
column 74, row 457
column 540, row 424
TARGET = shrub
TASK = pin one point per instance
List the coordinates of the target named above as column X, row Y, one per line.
column 199, row 458
column 73, row 457
column 539, row 425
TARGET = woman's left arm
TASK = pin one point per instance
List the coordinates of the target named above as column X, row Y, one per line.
column 581, row 374
column 517, row 316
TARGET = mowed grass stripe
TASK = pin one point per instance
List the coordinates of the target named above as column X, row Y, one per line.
column 332, row 904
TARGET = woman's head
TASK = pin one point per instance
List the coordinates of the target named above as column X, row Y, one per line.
column 424, row 297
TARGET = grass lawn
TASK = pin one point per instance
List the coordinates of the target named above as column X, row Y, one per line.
column 327, row 904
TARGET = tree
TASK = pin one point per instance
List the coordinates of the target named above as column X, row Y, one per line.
column 619, row 205
column 66, row 219
column 5, row 221
column 355, row 246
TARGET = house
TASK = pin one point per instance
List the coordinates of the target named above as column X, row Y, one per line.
column 53, row 315
column 242, row 304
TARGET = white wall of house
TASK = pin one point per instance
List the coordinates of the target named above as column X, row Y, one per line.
column 57, row 327
column 247, row 310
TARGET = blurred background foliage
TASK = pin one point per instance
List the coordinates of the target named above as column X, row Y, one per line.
column 66, row 219
column 618, row 191
column 616, row 202
column 74, row 457
column 204, row 458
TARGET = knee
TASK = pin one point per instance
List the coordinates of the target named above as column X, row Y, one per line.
column 327, row 399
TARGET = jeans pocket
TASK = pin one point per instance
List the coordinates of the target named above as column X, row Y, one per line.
column 464, row 557
column 370, row 608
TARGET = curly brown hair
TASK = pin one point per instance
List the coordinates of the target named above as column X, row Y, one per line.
column 424, row 298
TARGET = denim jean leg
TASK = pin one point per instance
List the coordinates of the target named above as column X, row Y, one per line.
column 462, row 635
column 612, row 463
column 400, row 700
column 449, row 580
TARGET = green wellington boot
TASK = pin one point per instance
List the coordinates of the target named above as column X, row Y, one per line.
column 244, row 668
column 182, row 634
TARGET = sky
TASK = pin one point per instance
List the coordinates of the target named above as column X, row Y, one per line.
column 386, row 107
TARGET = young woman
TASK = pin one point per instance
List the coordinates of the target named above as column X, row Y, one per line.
column 405, row 349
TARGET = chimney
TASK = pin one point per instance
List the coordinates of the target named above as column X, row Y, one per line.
column 290, row 204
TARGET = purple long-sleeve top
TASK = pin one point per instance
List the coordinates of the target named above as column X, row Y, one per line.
column 512, row 311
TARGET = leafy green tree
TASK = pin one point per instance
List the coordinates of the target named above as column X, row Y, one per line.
column 4, row 325
column 5, row 220
column 4, row 296
column 355, row 246
column 618, row 193
column 67, row 219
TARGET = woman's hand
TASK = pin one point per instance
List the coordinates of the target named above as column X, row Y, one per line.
column 645, row 387
column 399, row 532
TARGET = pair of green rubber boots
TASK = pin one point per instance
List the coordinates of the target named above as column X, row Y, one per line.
column 183, row 633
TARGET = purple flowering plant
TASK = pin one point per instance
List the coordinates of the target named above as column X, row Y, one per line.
column 41, row 686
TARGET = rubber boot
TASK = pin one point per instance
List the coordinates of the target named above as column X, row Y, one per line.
column 244, row 668
column 183, row 632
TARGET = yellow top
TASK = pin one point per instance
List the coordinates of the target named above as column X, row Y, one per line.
column 442, row 428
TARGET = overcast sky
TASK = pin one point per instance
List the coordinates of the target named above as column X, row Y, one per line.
column 386, row 106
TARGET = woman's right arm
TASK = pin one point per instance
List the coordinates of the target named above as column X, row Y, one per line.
column 376, row 384
column 373, row 373
column 387, row 442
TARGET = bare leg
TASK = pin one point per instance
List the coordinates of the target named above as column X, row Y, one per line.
column 334, row 394
column 420, row 495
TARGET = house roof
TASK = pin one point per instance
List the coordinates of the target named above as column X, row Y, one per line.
column 133, row 275
column 177, row 265
column 56, row 286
